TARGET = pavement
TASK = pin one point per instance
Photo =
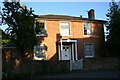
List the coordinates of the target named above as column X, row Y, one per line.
column 80, row 75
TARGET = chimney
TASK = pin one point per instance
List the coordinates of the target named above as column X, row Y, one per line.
column 14, row 1
column 5, row 0
column 91, row 14
column 80, row 16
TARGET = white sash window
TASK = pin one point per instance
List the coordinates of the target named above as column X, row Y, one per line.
column 87, row 29
column 40, row 28
column 89, row 50
column 65, row 28
column 39, row 51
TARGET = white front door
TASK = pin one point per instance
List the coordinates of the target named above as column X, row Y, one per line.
column 66, row 51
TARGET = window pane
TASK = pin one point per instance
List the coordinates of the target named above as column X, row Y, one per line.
column 41, row 24
column 89, row 32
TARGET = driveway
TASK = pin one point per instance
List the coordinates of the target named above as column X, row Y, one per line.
column 81, row 74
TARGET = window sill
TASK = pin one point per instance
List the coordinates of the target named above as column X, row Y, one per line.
column 87, row 35
column 41, row 35
column 66, row 35
column 89, row 56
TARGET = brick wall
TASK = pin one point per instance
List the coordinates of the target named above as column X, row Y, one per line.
column 76, row 28
column 44, row 67
column 30, row 67
column 101, row 63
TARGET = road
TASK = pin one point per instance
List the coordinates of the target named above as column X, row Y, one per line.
column 81, row 75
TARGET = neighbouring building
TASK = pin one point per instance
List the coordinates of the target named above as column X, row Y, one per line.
column 119, row 4
column 63, row 37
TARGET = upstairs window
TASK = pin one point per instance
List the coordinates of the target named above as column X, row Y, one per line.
column 40, row 28
column 65, row 28
column 87, row 29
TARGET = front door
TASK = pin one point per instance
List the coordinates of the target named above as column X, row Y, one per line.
column 66, row 51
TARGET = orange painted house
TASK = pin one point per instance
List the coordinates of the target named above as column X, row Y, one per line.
column 63, row 37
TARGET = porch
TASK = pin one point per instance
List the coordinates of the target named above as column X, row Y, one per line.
column 67, row 50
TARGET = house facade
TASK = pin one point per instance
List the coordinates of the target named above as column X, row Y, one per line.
column 62, row 37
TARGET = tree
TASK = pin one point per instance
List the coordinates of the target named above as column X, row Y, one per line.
column 5, row 38
column 20, row 23
column 113, row 39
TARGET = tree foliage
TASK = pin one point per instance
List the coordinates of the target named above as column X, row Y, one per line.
column 5, row 38
column 20, row 23
column 113, row 39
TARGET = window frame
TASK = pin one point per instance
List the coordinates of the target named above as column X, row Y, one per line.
column 90, row 29
column 41, row 49
column 61, row 28
column 44, row 28
column 86, row 56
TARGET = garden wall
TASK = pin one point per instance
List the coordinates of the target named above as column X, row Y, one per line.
column 101, row 63
column 45, row 67
column 31, row 68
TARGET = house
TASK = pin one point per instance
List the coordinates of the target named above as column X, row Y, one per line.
column 63, row 37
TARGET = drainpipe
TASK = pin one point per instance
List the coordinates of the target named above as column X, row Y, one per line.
column 61, row 43
column 61, row 46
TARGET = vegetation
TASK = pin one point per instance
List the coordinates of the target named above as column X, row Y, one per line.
column 113, row 39
column 20, row 23
column 5, row 38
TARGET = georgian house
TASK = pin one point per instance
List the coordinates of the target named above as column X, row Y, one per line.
column 63, row 37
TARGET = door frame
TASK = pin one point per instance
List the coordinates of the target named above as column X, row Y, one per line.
column 73, row 54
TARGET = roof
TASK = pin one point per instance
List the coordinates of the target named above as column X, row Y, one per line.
column 66, row 17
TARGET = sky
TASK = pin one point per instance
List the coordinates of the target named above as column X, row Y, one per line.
column 68, row 8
